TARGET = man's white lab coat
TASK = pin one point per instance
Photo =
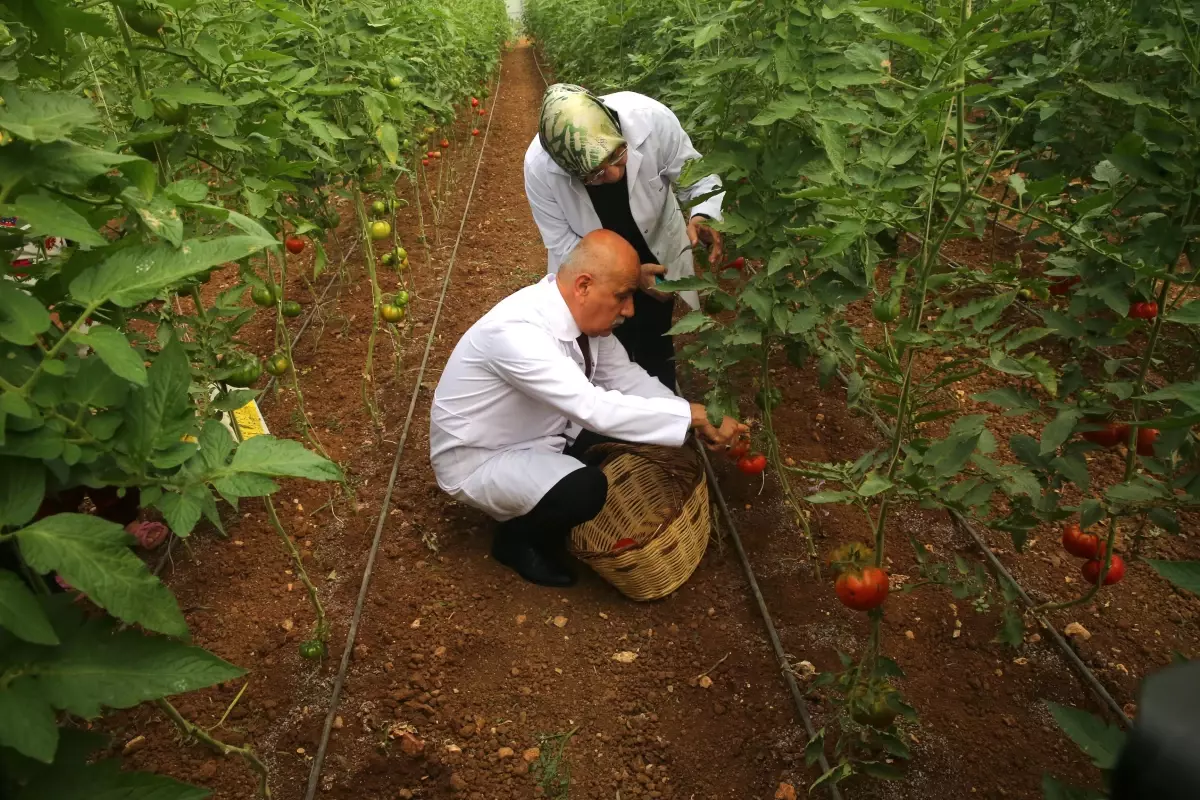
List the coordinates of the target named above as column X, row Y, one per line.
column 658, row 150
column 514, row 382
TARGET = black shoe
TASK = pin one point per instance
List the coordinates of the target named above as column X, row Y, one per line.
column 531, row 563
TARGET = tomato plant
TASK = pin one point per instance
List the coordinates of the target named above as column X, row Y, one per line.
column 858, row 144
column 168, row 140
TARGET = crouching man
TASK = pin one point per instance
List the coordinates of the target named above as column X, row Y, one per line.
column 525, row 380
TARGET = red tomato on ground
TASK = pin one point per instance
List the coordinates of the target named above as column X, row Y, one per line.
column 1078, row 543
column 1146, row 437
column 1116, row 570
column 1143, row 310
column 862, row 590
column 752, row 464
column 1112, row 434
column 294, row 244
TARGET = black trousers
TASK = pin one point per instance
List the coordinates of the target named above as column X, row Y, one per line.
column 574, row 500
column 645, row 338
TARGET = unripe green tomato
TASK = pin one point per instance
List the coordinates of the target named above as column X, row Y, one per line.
column 379, row 208
column 387, row 259
column 391, row 313
column 290, row 308
column 245, row 373
column 380, row 230
column 402, row 298
column 262, row 296
column 312, row 649
column 277, row 364
column 886, row 307
column 393, row 82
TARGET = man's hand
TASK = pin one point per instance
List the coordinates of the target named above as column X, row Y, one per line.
column 699, row 231
column 647, row 284
column 730, row 429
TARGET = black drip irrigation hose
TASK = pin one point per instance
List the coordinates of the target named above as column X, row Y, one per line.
column 964, row 525
column 772, row 632
column 752, row 581
column 314, row 775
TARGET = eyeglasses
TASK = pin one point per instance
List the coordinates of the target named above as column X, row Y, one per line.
column 617, row 159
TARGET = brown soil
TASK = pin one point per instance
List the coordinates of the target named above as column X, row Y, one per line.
column 456, row 658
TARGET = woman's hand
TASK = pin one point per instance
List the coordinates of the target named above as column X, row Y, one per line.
column 699, row 231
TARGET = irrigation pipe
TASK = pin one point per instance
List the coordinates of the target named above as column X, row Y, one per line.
column 772, row 632
column 963, row 524
column 339, row 682
column 764, row 612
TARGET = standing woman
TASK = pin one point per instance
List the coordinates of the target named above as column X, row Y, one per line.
column 613, row 162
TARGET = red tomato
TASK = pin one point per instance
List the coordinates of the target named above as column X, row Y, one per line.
column 445, row 144
column 475, row 132
column 294, row 244
column 862, row 590
column 1116, row 570
column 737, row 263
column 482, row 111
column 1080, row 544
column 424, row 162
column 624, row 544
column 474, row 102
column 1146, row 437
column 1112, row 434
column 436, row 154
column 752, row 464
column 1060, row 286
column 739, row 449
column 1143, row 310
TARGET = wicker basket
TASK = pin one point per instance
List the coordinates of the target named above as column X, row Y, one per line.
column 658, row 497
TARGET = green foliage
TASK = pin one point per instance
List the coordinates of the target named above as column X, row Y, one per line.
column 857, row 142
column 153, row 143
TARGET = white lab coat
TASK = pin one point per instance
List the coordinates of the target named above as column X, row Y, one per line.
column 514, row 384
column 658, row 150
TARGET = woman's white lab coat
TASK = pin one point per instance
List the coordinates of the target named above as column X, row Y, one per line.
column 658, row 150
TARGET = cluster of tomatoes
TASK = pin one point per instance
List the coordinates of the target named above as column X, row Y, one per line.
column 1112, row 434
column 748, row 462
column 860, row 584
column 394, row 310
column 1089, row 546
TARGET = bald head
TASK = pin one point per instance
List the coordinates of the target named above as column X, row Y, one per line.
column 598, row 281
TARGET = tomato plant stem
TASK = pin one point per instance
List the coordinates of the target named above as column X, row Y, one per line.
column 321, row 627
column 196, row 732
column 368, row 373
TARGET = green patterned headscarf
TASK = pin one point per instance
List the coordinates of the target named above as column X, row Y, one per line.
column 577, row 129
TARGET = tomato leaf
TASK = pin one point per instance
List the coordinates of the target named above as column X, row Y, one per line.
column 1059, row 430
column 49, row 216
column 266, row 455
column 27, row 722
column 1184, row 574
column 22, row 317
column 1097, row 739
column 45, row 117
column 104, row 779
column 93, row 555
column 113, row 349
column 136, row 274
column 20, row 612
